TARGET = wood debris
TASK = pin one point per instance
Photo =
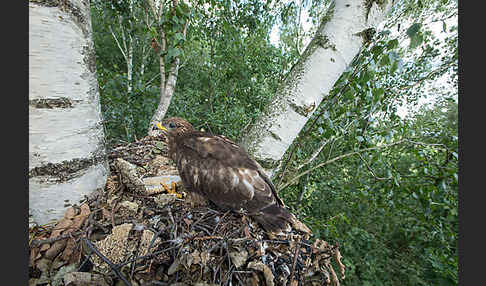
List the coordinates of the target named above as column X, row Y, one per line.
column 128, row 236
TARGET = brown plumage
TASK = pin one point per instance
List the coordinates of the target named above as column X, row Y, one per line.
column 219, row 170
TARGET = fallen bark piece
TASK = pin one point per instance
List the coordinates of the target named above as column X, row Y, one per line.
column 130, row 175
column 70, row 213
column 174, row 267
column 130, row 208
column 84, row 279
column 115, row 247
column 63, row 225
column 79, row 220
column 267, row 273
column 337, row 256
column 55, row 249
column 57, row 279
column 164, row 199
column 238, row 257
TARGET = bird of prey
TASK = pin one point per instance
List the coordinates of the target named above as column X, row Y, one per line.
column 212, row 167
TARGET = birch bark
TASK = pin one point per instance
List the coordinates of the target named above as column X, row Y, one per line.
column 66, row 140
column 336, row 42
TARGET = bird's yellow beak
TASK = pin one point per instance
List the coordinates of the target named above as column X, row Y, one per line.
column 161, row 127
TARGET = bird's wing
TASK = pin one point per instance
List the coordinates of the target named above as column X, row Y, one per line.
column 217, row 147
column 225, row 173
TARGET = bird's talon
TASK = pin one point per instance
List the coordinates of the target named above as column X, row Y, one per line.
column 171, row 190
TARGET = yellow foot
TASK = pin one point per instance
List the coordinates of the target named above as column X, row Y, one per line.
column 172, row 189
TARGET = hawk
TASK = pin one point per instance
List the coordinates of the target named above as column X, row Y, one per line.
column 217, row 169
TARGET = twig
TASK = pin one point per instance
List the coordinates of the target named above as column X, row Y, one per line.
column 39, row 242
column 216, row 227
column 339, row 158
column 207, row 237
column 118, row 43
column 147, row 256
column 296, row 254
column 229, row 273
column 371, row 170
column 238, row 276
column 193, row 225
column 174, row 230
column 137, row 250
column 154, row 238
column 203, row 229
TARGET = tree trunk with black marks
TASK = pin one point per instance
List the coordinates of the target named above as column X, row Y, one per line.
column 165, row 96
column 67, row 158
column 337, row 41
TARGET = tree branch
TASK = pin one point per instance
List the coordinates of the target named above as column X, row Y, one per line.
column 339, row 158
column 120, row 21
column 291, row 181
column 371, row 170
column 152, row 7
column 430, row 75
column 118, row 43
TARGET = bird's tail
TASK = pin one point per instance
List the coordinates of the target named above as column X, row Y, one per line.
column 276, row 218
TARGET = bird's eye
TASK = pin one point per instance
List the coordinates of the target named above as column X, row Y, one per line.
column 172, row 125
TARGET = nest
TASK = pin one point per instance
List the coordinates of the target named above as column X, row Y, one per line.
column 128, row 235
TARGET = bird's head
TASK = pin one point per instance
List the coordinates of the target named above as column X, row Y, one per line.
column 175, row 126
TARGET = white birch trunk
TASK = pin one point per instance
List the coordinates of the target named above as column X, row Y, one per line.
column 66, row 140
column 129, row 58
column 167, row 86
column 130, row 67
column 165, row 95
column 337, row 41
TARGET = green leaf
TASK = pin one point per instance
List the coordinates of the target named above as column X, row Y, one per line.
column 412, row 30
column 415, row 41
column 378, row 93
column 365, row 77
column 173, row 53
column 394, row 67
column 392, row 44
column 385, row 60
column 348, row 94
column 442, row 185
column 377, row 50
column 179, row 10
column 179, row 36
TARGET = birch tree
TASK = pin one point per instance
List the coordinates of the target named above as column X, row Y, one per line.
column 125, row 64
column 337, row 41
column 66, row 138
column 172, row 18
column 126, row 45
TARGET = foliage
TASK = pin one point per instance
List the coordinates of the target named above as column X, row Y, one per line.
column 382, row 185
column 126, row 114
column 227, row 61
column 394, row 210
column 230, row 68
